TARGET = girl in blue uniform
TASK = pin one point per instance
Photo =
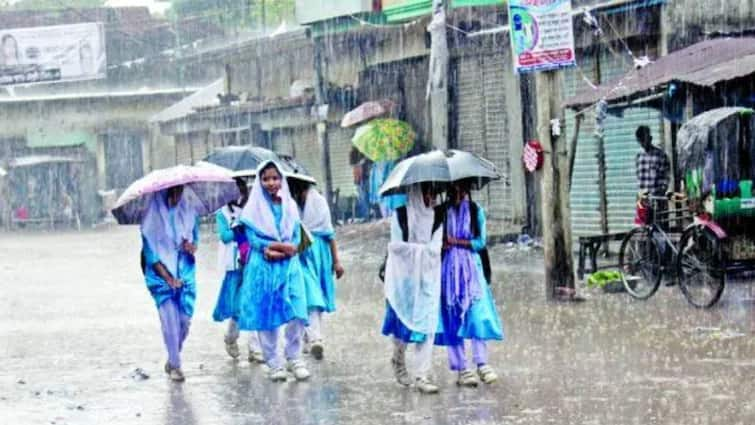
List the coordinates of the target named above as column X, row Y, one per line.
column 272, row 292
column 231, row 257
column 467, row 307
column 169, row 241
column 412, row 285
column 319, row 261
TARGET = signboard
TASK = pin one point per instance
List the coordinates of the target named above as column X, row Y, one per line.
column 52, row 54
column 542, row 37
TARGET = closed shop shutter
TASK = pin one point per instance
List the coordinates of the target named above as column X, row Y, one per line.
column 123, row 159
column 340, row 146
column 282, row 141
column 482, row 125
column 621, row 149
column 199, row 146
column 584, row 194
column 308, row 153
column 183, row 150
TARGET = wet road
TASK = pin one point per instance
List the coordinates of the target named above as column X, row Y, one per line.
column 76, row 321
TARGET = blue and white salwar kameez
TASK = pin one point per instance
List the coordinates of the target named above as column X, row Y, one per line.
column 272, row 292
column 412, row 285
column 227, row 305
column 317, row 263
column 163, row 231
column 468, row 309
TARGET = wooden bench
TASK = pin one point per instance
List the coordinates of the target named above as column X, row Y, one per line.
column 590, row 246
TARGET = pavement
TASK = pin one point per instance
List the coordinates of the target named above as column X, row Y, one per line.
column 81, row 345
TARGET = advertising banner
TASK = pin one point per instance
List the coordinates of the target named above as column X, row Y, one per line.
column 542, row 36
column 52, row 54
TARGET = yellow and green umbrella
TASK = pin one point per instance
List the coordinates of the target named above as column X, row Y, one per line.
column 384, row 139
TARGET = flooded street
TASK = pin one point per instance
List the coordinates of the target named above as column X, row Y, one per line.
column 76, row 323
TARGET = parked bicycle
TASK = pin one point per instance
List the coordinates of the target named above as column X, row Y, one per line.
column 648, row 253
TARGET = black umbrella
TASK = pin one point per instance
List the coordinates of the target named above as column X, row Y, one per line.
column 440, row 167
column 243, row 159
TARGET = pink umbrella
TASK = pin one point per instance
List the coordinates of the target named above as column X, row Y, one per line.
column 207, row 188
column 367, row 111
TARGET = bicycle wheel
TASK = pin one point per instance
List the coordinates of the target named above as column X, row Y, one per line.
column 701, row 267
column 640, row 263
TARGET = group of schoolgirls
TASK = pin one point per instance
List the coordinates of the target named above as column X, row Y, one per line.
column 436, row 280
column 279, row 256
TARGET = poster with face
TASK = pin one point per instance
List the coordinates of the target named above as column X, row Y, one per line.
column 52, row 54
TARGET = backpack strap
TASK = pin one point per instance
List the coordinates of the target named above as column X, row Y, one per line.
column 403, row 222
column 475, row 225
column 487, row 270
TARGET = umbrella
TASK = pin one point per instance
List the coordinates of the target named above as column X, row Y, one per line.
column 293, row 170
column 209, row 188
column 367, row 111
column 242, row 160
column 440, row 167
column 384, row 139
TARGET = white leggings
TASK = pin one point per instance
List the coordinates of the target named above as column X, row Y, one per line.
column 423, row 355
column 234, row 333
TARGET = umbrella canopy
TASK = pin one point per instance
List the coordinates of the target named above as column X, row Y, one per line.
column 367, row 111
column 242, row 160
column 208, row 188
column 384, row 139
column 293, row 170
column 440, row 167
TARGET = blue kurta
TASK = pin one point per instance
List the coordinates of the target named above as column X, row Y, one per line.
column 272, row 292
column 159, row 288
column 226, row 306
column 481, row 320
column 317, row 265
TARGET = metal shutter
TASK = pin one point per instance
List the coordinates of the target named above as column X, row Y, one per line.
column 584, row 194
column 198, row 146
column 183, row 150
column 340, row 146
column 482, row 124
column 306, row 149
column 621, row 149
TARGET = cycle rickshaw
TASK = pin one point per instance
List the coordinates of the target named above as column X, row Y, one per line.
column 716, row 221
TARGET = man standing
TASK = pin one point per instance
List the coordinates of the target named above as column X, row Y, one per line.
column 652, row 164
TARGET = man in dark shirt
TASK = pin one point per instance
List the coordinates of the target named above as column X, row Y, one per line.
column 652, row 165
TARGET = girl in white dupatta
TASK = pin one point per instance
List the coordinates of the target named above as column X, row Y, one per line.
column 412, row 285
column 170, row 231
column 319, row 261
column 272, row 291
column 232, row 252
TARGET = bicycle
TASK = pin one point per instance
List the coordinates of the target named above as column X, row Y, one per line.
column 649, row 252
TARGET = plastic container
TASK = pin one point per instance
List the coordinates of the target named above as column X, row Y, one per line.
column 745, row 188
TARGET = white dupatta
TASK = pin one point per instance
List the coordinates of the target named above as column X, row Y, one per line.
column 412, row 271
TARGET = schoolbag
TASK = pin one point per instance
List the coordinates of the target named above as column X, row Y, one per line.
column 403, row 222
column 440, row 216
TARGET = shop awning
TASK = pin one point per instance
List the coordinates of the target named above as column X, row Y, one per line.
column 32, row 160
column 203, row 97
column 703, row 64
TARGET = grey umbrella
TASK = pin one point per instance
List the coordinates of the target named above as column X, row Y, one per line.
column 440, row 167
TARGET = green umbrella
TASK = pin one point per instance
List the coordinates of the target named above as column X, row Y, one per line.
column 384, row 139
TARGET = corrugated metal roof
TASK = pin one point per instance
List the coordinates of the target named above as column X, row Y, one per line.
column 206, row 96
column 703, row 64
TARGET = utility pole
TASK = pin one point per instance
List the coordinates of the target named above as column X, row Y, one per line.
column 437, row 84
column 321, row 106
column 556, row 223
